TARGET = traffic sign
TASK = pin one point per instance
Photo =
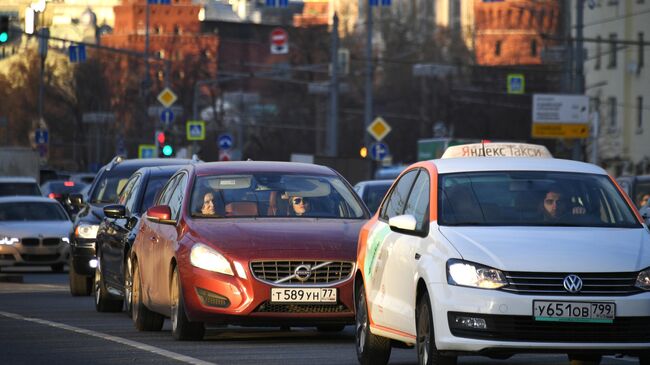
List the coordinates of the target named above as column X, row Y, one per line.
column 167, row 97
column 41, row 136
column 225, row 141
column 195, row 130
column 224, row 155
column 146, row 151
column 378, row 151
column 167, row 116
column 279, row 41
column 378, row 129
column 516, row 84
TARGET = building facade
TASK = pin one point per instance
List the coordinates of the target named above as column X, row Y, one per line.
column 617, row 80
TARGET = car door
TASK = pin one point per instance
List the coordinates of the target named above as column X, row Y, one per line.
column 166, row 245
column 380, row 264
column 148, row 256
column 111, row 243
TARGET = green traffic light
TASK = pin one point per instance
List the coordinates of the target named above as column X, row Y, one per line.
column 167, row 150
column 4, row 36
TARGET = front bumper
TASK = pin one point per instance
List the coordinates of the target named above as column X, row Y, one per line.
column 34, row 255
column 511, row 326
column 82, row 251
column 247, row 301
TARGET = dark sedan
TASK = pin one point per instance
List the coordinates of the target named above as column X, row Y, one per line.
column 60, row 190
column 117, row 232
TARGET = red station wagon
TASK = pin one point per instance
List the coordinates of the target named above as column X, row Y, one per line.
column 248, row 243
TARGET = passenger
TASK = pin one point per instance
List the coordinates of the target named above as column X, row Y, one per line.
column 643, row 200
column 208, row 207
column 554, row 207
column 300, row 205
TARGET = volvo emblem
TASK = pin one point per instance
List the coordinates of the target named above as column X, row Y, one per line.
column 572, row 283
column 302, row 272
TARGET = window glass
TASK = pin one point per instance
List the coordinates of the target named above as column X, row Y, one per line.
column 394, row 205
column 418, row 202
column 167, row 191
column 532, row 198
column 154, row 185
column 109, row 186
column 274, row 195
column 176, row 198
column 32, row 211
column 128, row 194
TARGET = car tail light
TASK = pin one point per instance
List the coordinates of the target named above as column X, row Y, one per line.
column 54, row 196
column 68, row 183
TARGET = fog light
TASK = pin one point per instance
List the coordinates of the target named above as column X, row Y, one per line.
column 92, row 263
column 471, row 322
column 212, row 299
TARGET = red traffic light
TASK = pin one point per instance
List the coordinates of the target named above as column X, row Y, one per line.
column 160, row 137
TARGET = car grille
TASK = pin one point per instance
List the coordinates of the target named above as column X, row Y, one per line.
column 267, row 307
column 594, row 284
column 6, row 256
column 322, row 272
column 35, row 242
column 526, row 328
column 40, row 258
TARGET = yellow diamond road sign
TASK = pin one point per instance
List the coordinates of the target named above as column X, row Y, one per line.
column 378, row 129
column 167, row 97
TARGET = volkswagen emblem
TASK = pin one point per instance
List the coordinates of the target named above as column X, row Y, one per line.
column 302, row 272
column 572, row 283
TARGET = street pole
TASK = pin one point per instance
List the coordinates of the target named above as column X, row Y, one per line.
column 147, row 80
column 368, row 106
column 579, row 80
column 332, row 127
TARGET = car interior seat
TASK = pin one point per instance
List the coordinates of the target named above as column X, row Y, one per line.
column 241, row 209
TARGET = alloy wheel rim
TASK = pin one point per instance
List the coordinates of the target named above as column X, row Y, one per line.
column 362, row 324
column 423, row 336
column 174, row 300
column 128, row 283
column 136, row 294
column 96, row 287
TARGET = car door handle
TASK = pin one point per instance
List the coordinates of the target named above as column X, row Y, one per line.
column 417, row 256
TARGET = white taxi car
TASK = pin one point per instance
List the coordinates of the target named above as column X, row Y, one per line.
column 502, row 255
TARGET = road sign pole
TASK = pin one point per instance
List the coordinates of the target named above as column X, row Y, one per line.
column 332, row 127
column 367, row 116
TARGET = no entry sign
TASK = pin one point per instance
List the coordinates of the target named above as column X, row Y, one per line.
column 279, row 41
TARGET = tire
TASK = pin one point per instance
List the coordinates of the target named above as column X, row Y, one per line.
column 371, row 349
column 330, row 328
column 128, row 286
column 182, row 328
column 103, row 300
column 80, row 285
column 580, row 359
column 57, row 267
column 426, row 340
column 143, row 318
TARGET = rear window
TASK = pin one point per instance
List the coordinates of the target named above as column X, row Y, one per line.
column 9, row 189
column 62, row 187
column 32, row 211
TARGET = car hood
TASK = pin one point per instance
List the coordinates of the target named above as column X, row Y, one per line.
column 36, row 228
column 92, row 213
column 564, row 249
column 281, row 238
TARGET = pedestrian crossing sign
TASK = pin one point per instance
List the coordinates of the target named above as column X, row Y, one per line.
column 195, row 130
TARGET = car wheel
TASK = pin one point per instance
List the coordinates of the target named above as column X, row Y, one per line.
column 330, row 328
column 426, row 340
column 57, row 267
column 79, row 284
column 143, row 318
column 580, row 359
column 371, row 349
column 182, row 328
column 128, row 286
column 103, row 302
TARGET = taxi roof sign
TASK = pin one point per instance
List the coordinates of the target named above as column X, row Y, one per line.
column 497, row 149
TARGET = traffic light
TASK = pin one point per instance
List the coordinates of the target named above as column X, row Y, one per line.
column 363, row 152
column 167, row 150
column 4, row 29
column 160, row 138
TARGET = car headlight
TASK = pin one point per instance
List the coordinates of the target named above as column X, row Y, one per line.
column 465, row 273
column 9, row 241
column 85, row 230
column 643, row 280
column 207, row 258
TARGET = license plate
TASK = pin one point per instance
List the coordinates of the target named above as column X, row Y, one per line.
column 303, row 295
column 593, row 312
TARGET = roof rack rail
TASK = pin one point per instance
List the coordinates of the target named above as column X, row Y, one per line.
column 116, row 160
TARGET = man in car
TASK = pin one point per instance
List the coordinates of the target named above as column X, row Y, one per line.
column 555, row 207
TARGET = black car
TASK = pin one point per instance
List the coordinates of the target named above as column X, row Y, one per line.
column 60, row 190
column 117, row 232
column 104, row 190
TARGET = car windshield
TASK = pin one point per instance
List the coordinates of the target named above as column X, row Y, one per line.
column 274, row 195
column 110, row 185
column 532, row 198
column 9, row 189
column 32, row 211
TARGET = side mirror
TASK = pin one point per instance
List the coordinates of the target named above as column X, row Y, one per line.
column 160, row 214
column 76, row 199
column 403, row 223
column 115, row 211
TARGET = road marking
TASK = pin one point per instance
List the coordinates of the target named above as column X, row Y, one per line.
column 7, row 288
column 123, row 341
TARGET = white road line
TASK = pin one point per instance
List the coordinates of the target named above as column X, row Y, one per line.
column 123, row 341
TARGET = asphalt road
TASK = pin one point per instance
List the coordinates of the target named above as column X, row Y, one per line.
column 41, row 323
